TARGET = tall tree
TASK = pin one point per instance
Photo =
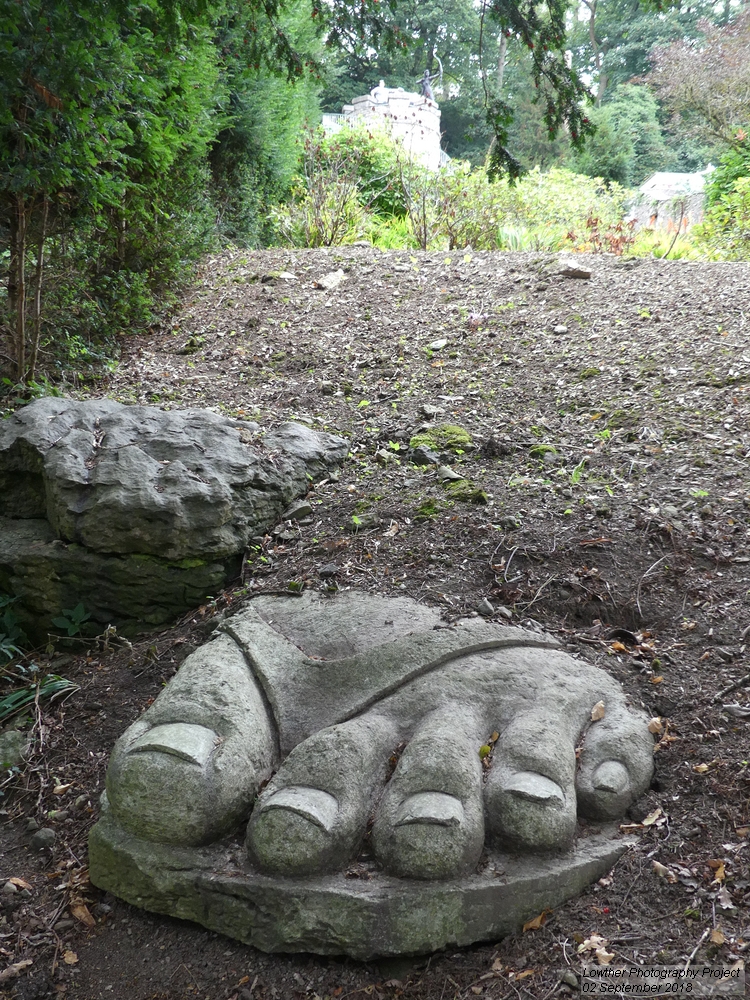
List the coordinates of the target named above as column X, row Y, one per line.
column 106, row 111
column 705, row 82
column 256, row 153
column 611, row 40
column 628, row 144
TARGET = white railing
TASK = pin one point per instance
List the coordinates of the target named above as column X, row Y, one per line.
column 333, row 123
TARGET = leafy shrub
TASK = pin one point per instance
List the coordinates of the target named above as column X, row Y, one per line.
column 725, row 230
column 659, row 243
column 734, row 164
column 364, row 185
column 344, row 178
column 376, row 159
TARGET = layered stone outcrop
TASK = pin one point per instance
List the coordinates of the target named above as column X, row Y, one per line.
column 137, row 512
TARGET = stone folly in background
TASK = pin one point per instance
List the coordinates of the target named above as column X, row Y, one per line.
column 413, row 120
column 409, row 785
column 671, row 202
column 136, row 512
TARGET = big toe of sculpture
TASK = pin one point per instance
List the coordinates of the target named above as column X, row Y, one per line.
column 389, row 736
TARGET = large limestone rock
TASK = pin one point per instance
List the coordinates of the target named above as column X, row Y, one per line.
column 138, row 512
column 409, row 785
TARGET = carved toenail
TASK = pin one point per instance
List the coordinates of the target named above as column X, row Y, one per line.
column 611, row 776
column 431, row 807
column 534, row 787
column 310, row 803
column 195, row 744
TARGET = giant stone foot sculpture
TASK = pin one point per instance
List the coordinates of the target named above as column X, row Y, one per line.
column 408, row 784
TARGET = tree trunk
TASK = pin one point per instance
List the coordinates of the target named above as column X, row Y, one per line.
column 17, row 282
column 596, row 48
column 37, row 314
column 502, row 52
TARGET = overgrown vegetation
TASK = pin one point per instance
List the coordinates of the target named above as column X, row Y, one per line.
column 135, row 136
column 360, row 184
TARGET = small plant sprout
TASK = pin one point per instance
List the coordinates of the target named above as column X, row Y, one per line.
column 72, row 619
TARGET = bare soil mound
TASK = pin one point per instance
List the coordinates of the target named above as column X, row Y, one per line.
column 592, row 452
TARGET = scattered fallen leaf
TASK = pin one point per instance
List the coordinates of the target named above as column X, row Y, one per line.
column 592, row 943
column 717, row 937
column 656, row 726
column 497, row 965
column 686, row 877
column 663, row 872
column 246, row 979
column 656, row 680
column 603, row 956
column 652, row 817
column 524, row 975
column 477, row 990
column 21, row 883
column 15, row 970
column 536, row 922
column 700, row 768
column 82, row 913
column 724, row 899
column 666, row 739
column 597, row 712
column 720, row 874
column 62, row 789
column 618, row 647
column 70, row 958
column 393, row 530
column 742, row 831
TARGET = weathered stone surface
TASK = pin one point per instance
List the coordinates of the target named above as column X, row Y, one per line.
column 455, row 744
column 151, row 509
column 43, row 839
column 361, row 913
column 176, row 484
column 48, row 575
column 571, row 267
column 13, row 748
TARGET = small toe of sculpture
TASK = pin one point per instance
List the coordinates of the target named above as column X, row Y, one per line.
column 430, row 821
column 313, row 815
column 615, row 766
column 529, row 792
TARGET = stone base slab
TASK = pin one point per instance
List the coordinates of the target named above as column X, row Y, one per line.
column 360, row 913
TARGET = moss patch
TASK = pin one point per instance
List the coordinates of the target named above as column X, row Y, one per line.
column 466, row 492
column 429, row 509
column 444, row 437
column 540, row 450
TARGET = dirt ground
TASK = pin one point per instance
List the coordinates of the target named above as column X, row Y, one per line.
column 605, row 496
